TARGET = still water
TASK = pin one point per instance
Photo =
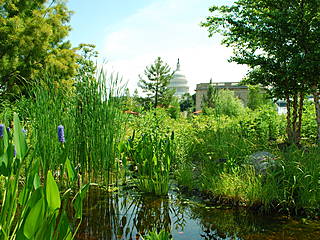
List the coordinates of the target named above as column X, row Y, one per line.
column 126, row 215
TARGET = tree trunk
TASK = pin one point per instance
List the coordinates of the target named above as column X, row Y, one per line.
column 317, row 106
column 156, row 97
column 289, row 130
column 301, row 101
column 294, row 118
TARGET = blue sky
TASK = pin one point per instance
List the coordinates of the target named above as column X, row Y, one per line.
column 130, row 34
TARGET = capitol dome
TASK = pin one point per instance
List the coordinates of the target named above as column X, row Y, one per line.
column 179, row 82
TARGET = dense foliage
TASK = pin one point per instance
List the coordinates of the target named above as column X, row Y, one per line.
column 155, row 83
column 278, row 40
column 32, row 40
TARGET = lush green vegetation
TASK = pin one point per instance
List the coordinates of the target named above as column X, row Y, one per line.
column 278, row 41
column 42, row 211
column 69, row 129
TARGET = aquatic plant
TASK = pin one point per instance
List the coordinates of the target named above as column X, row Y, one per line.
column 89, row 119
column 154, row 235
column 97, row 126
column 42, row 212
column 2, row 127
column 61, row 134
column 152, row 154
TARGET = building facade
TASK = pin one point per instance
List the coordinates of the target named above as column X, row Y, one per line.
column 241, row 92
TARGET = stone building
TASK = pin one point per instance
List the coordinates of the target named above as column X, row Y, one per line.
column 242, row 92
column 179, row 82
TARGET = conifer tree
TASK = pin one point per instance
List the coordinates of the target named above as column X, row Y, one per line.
column 155, row 83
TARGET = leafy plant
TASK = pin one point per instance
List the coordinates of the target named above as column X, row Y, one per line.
column 152, row 154
column 42, row 211
column 162, row 235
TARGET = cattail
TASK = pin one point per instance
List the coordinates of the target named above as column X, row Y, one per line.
column 1, row 129
column 61, row 134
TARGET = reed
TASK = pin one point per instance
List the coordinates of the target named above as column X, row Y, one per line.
column 97, row 126
column 92, row 123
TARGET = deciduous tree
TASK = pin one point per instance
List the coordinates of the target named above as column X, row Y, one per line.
column 32, row 43
column 278, row 40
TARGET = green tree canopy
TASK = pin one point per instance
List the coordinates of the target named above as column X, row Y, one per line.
column 155, row 83
column 278, row 40
column 32, row 34
column 186, row 102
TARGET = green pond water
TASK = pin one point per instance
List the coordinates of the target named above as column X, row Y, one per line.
column 128, row 214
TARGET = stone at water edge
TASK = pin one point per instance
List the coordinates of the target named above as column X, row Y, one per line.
column 262, row 161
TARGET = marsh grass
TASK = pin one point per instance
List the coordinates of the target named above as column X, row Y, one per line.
column 92, row 121
column 214, row 157
column 98, row 125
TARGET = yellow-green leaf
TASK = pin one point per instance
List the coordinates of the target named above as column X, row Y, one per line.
column 52, row 193
column 34, row 219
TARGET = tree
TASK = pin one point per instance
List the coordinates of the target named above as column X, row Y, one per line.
column 210, row 99
column 32, row 44
column 156, row 84
column 277, row 39
column 186, row 102
column 257, row 97
column 227, row 104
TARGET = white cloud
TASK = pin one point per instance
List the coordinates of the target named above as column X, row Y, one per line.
column 170, row 29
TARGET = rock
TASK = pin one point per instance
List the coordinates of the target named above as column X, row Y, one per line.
column 262, row 161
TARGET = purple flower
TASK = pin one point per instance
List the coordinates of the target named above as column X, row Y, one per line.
column 24, row 131
column 61, row 134
column 1, row 129
column 8, row 129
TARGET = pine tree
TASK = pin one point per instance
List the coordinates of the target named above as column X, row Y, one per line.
column 155, row 83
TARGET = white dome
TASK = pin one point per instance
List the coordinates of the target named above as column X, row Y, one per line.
column 179, row 82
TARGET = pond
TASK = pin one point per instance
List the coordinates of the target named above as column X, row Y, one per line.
column 126, row 214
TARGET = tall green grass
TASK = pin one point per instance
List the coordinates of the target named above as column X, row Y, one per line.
column 92, row 121
column 215, row 157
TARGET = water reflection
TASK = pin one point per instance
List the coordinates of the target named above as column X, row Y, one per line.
column 127, row 216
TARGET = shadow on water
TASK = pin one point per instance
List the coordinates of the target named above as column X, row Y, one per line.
column 128, row 215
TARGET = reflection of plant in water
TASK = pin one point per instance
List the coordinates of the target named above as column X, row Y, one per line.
column 127, row 216
column 101, row 216
column 152, row 213
column 218, row 224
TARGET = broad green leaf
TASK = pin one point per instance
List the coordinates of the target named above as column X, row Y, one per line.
column 36, row 181
column 34, row 219
column 70, row 170
column 78, row 200
column 19, row 138
column 52, row 193
column 4, row 144
column 64, row 228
